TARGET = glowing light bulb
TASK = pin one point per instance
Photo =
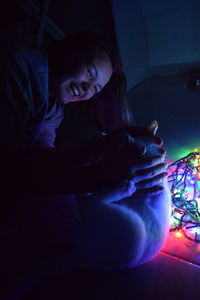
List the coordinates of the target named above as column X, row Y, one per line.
column 178, row 234
column 177, row 196
column 185, row 191
column 198, row 201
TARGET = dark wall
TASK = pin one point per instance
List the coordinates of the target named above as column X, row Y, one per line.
column 173, row 34
column 156, row 33
column 131, row 37
column 83, row 15
column 19, row 19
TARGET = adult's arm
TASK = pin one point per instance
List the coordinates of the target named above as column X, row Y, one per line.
column 96, row 164
column 44, row 172
column 66, row 170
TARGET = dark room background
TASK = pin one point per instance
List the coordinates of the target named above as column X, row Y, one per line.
column 159, row 43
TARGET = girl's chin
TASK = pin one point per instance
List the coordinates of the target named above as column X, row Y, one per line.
column 64, row 99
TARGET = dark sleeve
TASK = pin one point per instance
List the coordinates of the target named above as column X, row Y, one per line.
column 58, row 170
column 22, row 99
column 45, row 172
column 12, row 104
column 47, row 136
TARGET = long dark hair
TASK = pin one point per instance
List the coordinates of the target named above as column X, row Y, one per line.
column 109, row 108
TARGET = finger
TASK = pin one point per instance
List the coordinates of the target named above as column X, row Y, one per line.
column 129, row 168
column 162, row 151
column 154, row 191
column 158, row 140
column 130, row 153
column 124, row 188
column 150, row 172
column 163, row 154
column 112, row 142
column 136, row 131
column 133, row 149
column 146, row 132
column 149, row 183
column 153, row 127
column 124, row 142
column 143, row 163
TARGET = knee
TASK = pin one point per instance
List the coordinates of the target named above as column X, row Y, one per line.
column 115, row 240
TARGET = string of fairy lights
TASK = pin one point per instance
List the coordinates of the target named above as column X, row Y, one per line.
column 184, row 178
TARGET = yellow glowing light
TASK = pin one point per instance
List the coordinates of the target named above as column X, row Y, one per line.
column 195, row 150
column 177, row 196
column 178, row 234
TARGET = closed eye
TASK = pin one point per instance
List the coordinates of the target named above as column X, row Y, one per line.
column 97, row 88
column 90, row 73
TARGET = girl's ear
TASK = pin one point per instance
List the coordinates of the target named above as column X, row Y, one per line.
column 153, row 127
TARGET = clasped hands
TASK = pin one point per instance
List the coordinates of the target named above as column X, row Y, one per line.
column 129, row 162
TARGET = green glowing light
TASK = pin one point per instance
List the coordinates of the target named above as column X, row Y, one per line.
column 176, row 153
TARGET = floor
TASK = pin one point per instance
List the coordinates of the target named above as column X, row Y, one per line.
column 163, row 278
column 180, row 247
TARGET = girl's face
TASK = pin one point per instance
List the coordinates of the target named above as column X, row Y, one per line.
column 86, row 80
